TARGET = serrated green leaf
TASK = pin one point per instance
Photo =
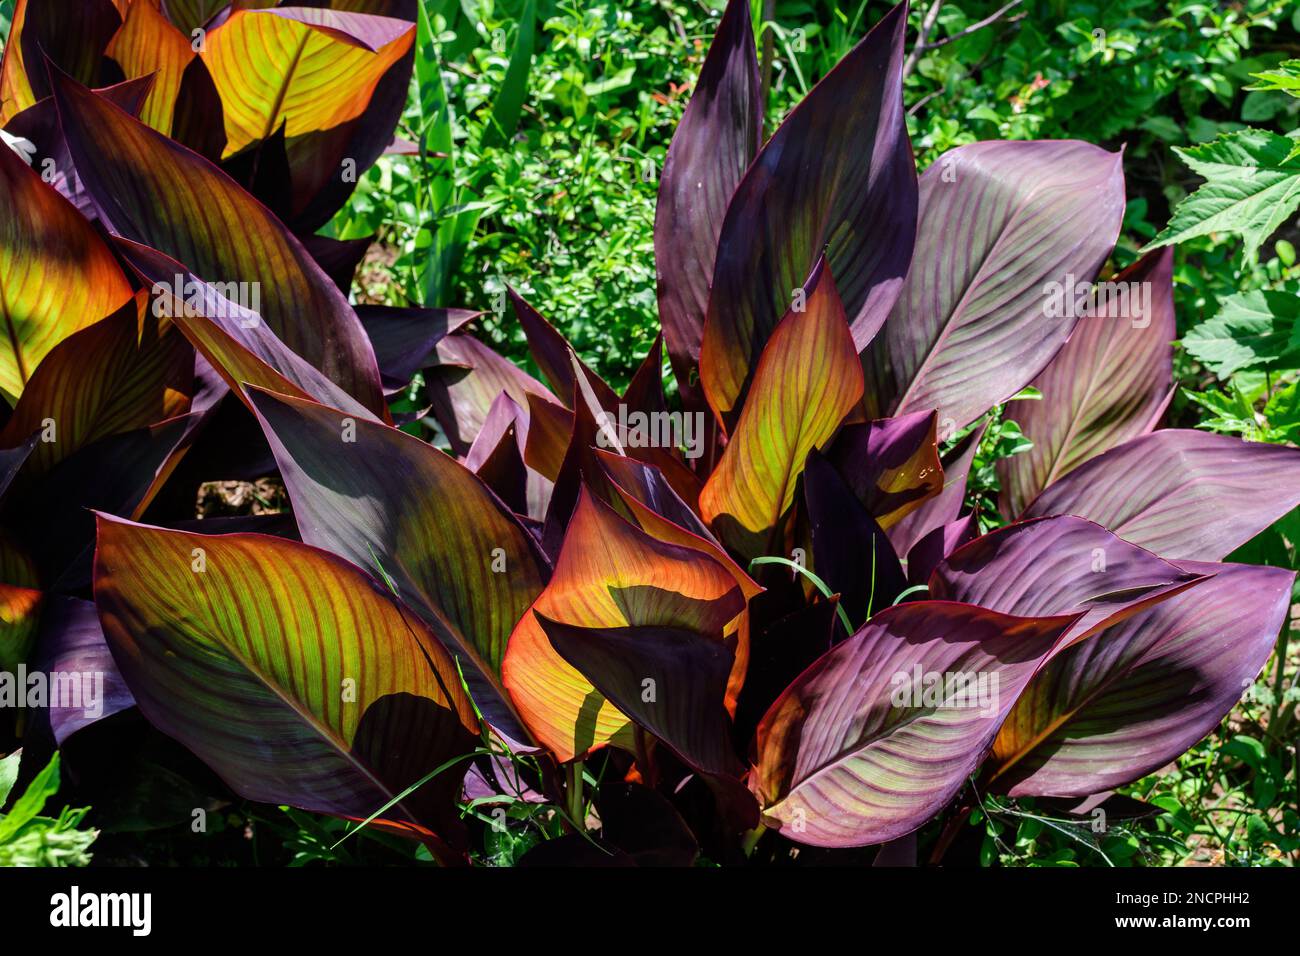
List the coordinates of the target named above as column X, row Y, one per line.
column 1252, row 330
column 1252, row 187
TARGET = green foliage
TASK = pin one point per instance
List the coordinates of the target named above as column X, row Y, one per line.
column 29, row 839
column 1252, row 331
column 1252, row 187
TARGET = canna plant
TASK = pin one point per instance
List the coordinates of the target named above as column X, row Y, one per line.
column 761, row 614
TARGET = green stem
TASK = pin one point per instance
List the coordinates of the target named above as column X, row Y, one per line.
column 751, row 839
column 573, row 793
column 817, row 583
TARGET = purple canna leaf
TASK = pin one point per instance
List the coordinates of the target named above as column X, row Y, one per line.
column 1182, row 494
column 404, row 339
column 1119, row 705
column 1059, row 565
column 688, row 672
column 937, row 545
column 716, row 140
column 850, row 551
column 854, row 753
column 465, row 380
column 891, row 464
column 837, row 178
column 416, row 517
column 1111, row 382
column 152, row 191
column 943, row 508
column 1000, row 223
column 71, row 643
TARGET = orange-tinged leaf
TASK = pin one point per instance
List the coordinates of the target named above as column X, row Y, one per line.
column 20, row 610
column 305, row 69
column 609, row 574
column 807, row 380
column 145, row 44
column 15, row 90
column 56, row 274
column 112, row 377
column 20, row 603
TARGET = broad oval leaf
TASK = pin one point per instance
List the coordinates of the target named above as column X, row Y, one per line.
column 1119, row 705
column 670, row 681
column 943, row 508
column 74, row 44
column 1111, row 381
column 855, row 753
column 233, row 339
column 891, row 464
column 465, row 380
column 807, row 380
column 71, row 641
column 56, row 274
column 147, row 44
column 836, row 179
column 716, row 139
column 850, row 551
column 1000, row 222
column 1180, row 493
column 287, row 670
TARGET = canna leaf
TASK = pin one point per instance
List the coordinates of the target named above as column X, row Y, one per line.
column 233, row 339
column 72, row 642
column 40, row 125
column 155, row 192
column 405, row 338
column 926, row 554
column 716, row 140
column 892, row 464
column 189, row 15
column 687, row 672
column 293, row 674
column 1182, row 494
column 56, row 275
column 837, row 179
column 148, row 45
column 1111, row 382
column 1114, row 708
column 853, row 753
column 466, row 378
column 1000, row 223
column 942, row 509
column 75, row 44
column 807, row 380
column 120, row 374
column 850, row 551
column 609, row 575
column 404, row 510
column 1059, row 565
column 306, row 69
